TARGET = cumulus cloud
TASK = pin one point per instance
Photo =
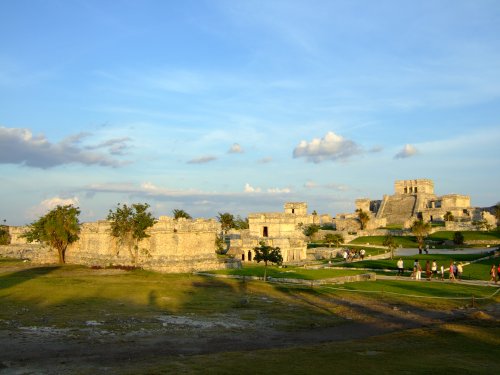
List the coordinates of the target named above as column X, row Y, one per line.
column 20, row 146
column 407, row 152
column 236, row 149
column 331, row 147
column 48, row 204
column 202, row 160
column 251, row 189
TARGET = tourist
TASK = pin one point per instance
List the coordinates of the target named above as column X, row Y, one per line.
column 362, row 254
column 452, row 272
column 400, row 266
column 428, row 272
column 442, row 272
column 434, row 268
column 427, row 249
column 493, row 274
column 345, row 255
column 460, row 269
column 418, row 275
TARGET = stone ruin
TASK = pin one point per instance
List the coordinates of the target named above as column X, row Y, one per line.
column 281, row 229
column 174, row 245
column 412, row 200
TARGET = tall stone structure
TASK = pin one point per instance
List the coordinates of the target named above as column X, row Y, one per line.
column 284, row 230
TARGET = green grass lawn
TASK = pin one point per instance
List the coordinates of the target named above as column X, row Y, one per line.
column 468, row 235
column 444, row 259
column 288, row 272
column 404, row 241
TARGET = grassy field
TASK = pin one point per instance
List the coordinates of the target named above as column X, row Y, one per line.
column 411, row 241
column 126, row 302
column 288, row 272
column 476, row 271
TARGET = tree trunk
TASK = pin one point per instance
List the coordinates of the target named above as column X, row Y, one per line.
column 265, row 271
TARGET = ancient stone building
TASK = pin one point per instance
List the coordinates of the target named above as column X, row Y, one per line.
column 173, row 246
column 415, row 199
column 284, row 230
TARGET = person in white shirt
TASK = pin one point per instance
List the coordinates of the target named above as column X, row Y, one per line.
column 400, row 265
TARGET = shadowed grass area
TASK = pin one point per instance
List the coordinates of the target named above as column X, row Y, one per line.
column 468, row 235
column 404, row 241
column 448, row 348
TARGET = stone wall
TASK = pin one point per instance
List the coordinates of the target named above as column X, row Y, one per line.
column 173, row 246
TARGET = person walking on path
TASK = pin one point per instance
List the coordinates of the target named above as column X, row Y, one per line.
column 493, row 274
column 460, row 270
column 400, row 265
column 428, row 272
column 418, row 276
column 452, row 272
column 442, row 272
column 434, row 269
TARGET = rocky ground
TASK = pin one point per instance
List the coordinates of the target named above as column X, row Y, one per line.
column 94, row 347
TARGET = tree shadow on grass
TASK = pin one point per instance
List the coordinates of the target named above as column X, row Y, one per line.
column 15, row 278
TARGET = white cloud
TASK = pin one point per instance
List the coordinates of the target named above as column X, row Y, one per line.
column 407, row 151
column 251, row 189
column 236, row 149
column 48, row 204
column 20, row 146
column 331, row 147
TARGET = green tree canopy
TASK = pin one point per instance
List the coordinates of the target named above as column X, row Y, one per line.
column 180, row 214
column 226, row 220
column 334, row 238
column 4, row 235
column 129, row 225
column 458, row 238
column 390, row 242
column 57, row 229
column 265, row 253
column 421, row 230
column 240, row 223
column 448, row 216
column 363, row 218
column 311, row 230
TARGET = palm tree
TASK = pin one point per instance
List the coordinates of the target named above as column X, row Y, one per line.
column 181, row 214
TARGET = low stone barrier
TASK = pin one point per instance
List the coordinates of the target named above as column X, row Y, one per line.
column 371, row 276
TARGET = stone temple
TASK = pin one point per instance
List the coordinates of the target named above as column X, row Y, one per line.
column 415, row 199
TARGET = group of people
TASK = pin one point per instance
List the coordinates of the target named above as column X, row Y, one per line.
column 350, row 254
column 431, row 270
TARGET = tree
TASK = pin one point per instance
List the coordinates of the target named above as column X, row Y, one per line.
column 129, row 225
column 240, row 223
column 390, row 242
column 226, row 221
column 180, row 214
column 267, row 254
column 496, row 212
column 311, row 230
column 458, row 238
column 363, row 218
column 57, row 229
column 421, row 230
column 448, row 216
column 336, row 239
column 4, row 235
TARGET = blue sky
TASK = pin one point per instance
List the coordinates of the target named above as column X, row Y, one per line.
column 240, row 106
